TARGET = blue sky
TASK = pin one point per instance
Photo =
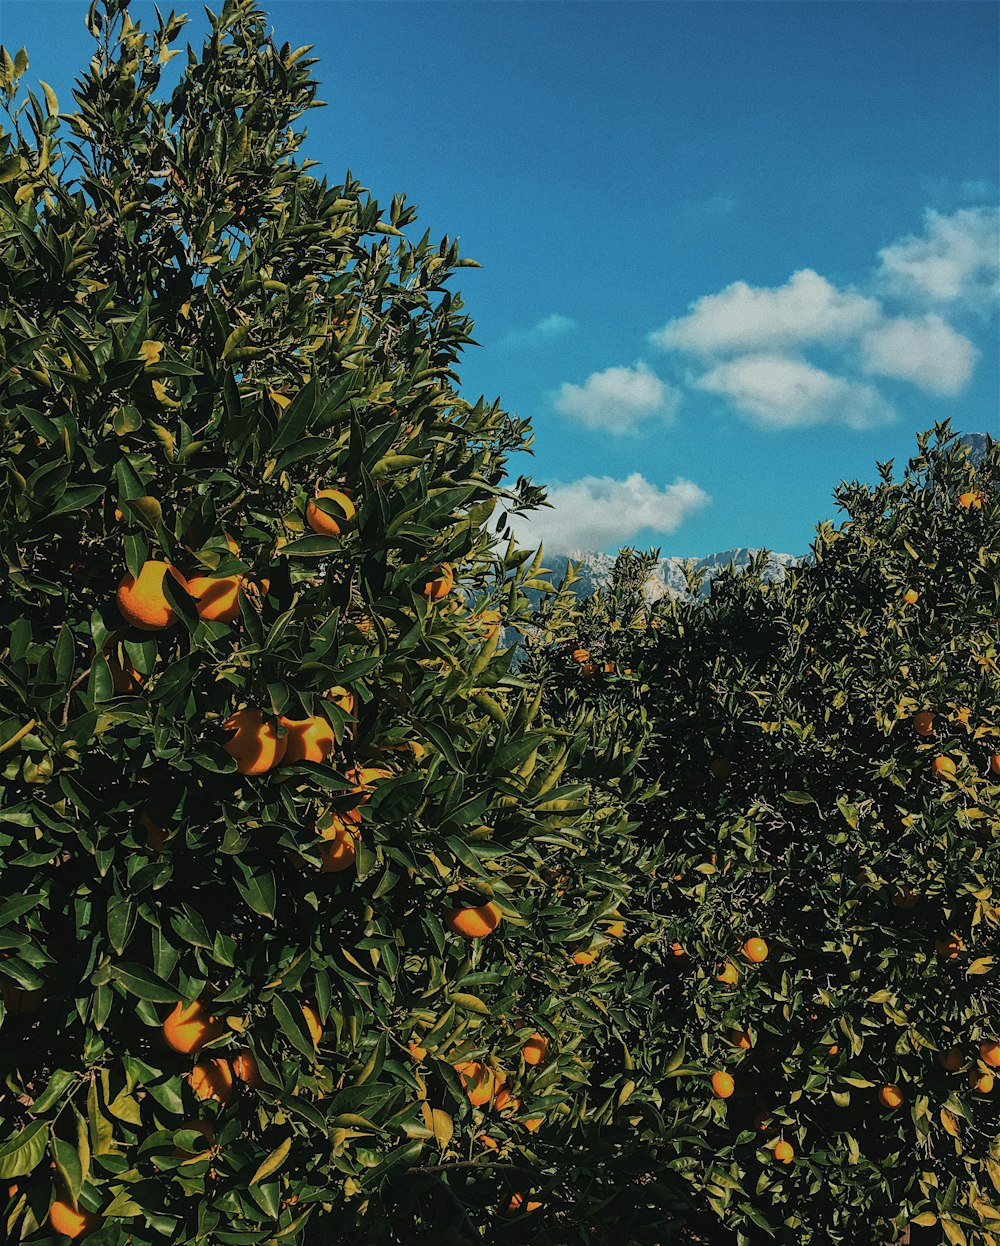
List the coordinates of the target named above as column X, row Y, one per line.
column 732, row 253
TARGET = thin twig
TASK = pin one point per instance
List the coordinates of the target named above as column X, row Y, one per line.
column 69, row 694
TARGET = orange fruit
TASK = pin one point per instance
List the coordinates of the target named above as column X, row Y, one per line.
column 989, row 1053
column 832, row 1050
column 245, row 1068
column 142, row 601
column 71, row 1221
column 365, row 777
column 188, row 1028
column 755, row 950
column 950, row 946
column 505, row 1101
column 586, row 956
column 609, row 668
column 155, row 837
column 677, row 949
column 763, row 1123
column 722, row 1085
column 783, row 1152
column 944, row 767
column 910, row 596
column 212, row 1079
column 217, row 599
column 588, row 670
column 474, row 923
column 200, row 1127
column 477, row 1080
column 416, row 1051
column 534, row 1123
column 995, row 764
column 728, row 974
column 981, row 1082
column 519, row 1202
column 124, row 679
column 340, row 850
column 312, row 1023
column 535, row 1049
column 440, row 584
column 972, row 499
column 721, row 767
column 343, row 700
column 614, row 930
column 905, row 897
column 952, row 1059
column 923, row 722
column 890, row 1096
column 740, row 1038
column 489, row 1143
column 328, row 525
column 581, row 655
column 308, row 739
column 255, row 746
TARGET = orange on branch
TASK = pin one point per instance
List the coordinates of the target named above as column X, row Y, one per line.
column 783, row 1152
column 246, row 1069
column 72, row 1222
column 586, row 956
column 535, row 1049
column 478, row 1081
column 755, row 950
column 255, row 746
column 474, row 922
column 911, row 596
column 217, row 599
column 308, row 739
column 890, row 1096
column 950, row 946
column 189, row 1027
column 952, row 1059
column 142, row 602
column 440, row 583
column 923, row 722
column 722, row 1084
column 740, row 1038
column 943, row 767
column 207, row 1133
column 519, row 1202
column 330, row 525
column 989, row 1053
column 980, row 1081
column 728, row 974
column 212, row 1079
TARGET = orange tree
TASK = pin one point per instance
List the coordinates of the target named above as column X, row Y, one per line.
column 303, row 894
column 820, row 924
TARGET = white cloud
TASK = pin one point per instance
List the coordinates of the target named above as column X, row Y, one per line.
column 616, row 399
column 926, row 351
column 596, row 512
column 957, row 260
column 743, row 318
column 777, row 392
column 552, row 326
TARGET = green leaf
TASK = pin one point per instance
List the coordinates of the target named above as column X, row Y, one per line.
column 59, row 1083
column 52, row 103
column 22, row 1153
column 798, row 798
column 311, row 547
column 273, row 1161
column 141, row 983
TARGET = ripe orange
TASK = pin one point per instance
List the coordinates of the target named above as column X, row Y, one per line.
column 212, row 1079
column 950, row 946
column 200, row 1127
column 71, row 1221
column 588, row 670
column 832, row 1050
column 890, row 1096
column 535, row 1049
column 364, row 779
column 245, row 1068
column 124, row 679
column 721, row 767
column 142, row 601
column 763, row 1123
column 155, row 838
column 740, row 1038
column 328, row 525
column 615, row 930
column 188, row 1028
column 905, row 897
column 308, row 739
column 534, row 1123
column 722, row 1085
column 490, row 1144
column 995, row 763
column 520, row 1202
column 981, row 1082
column 677, row 949
column 783, row 1152
column 343, row 700
column 972, row 499
column 728, row 974
column 340, row 852
column 923, row 722
column 911, row 596
column 989, row 1053
column 944, row 767
column 217, row 599
column 477, row 1080
column 952, row 1059
column 581, row 655
column 255, row 746
column 755, row 950
column 440, row 584
column 505, row 1101
column 474, row 923
column 313, row 1024
column 416, row 1051
column 586, row 956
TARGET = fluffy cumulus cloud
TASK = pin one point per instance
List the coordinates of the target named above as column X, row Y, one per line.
column 925, row 351
column 776, row 391
column 807, row 308
column 598, row 512
column 553, row 326
column 756, row 346
column 955, row 260
column 617, row 399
